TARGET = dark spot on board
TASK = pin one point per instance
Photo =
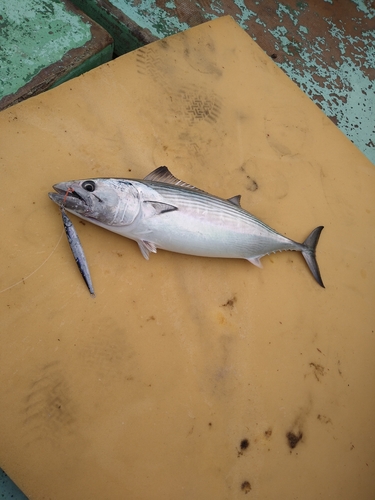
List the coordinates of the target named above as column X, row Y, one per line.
column 293, row 439
column 244, row 444
column 151, row 318
column 318, row 370
column 246, row 487
column 82, row 222
column 268, row 433
column 252, row 184
column 230, row 302
column 119, row 254
column 164, row 44
column 339, row 368
column 210, row 425
column 324, row 419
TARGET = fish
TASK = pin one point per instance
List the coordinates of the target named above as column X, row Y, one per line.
column 77, row 250
column 163, row 212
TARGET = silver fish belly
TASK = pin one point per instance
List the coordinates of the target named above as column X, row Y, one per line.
column 77, row 250
column 161, row 211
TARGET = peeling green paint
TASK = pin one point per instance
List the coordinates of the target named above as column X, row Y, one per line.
column 353, row 101
column 34, row 35
column 245, row 15
column 361, row 5
column 148, row 15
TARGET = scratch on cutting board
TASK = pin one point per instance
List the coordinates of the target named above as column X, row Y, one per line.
column 22, row 280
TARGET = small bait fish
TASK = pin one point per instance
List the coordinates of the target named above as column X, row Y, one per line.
column 77, row 250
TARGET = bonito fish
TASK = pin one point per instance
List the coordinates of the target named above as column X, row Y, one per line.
column 160, row 211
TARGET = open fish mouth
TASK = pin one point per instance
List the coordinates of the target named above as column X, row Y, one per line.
column 71, row 197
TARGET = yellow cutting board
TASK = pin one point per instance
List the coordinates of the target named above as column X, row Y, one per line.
column 186, row 377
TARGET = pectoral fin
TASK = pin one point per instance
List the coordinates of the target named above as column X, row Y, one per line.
column 160, row 207
column 146, row 247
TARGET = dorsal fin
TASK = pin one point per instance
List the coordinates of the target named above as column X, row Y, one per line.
column 235, row 200
column 162, row 174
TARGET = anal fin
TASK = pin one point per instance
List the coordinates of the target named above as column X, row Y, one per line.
column 146, row 247
column 256, row 261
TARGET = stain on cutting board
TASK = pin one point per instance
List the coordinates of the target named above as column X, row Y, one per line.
column 49, row 409
column 197, row 103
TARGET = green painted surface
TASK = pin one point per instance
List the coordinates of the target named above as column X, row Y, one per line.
column 33, row 35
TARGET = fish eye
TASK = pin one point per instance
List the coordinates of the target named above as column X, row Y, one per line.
column 89, row 186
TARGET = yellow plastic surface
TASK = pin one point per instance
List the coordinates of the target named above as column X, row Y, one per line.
column 186, row 377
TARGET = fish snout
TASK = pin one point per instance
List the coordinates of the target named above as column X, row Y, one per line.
column 71, row 196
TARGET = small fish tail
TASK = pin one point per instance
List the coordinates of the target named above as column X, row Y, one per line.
column 309, row 253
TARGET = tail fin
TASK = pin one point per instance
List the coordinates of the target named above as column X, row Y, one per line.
column 310, row 244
